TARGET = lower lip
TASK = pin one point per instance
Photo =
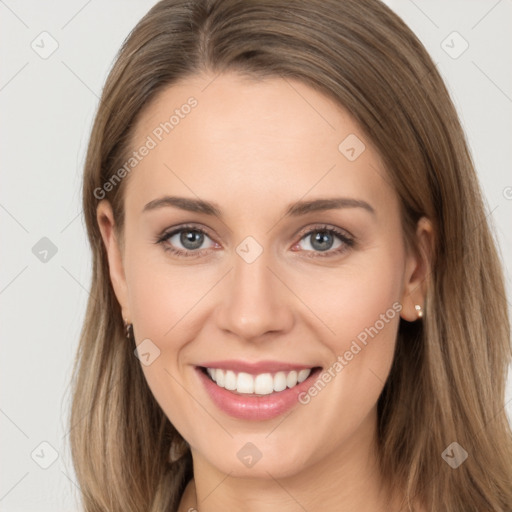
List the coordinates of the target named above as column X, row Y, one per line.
column 250, row 407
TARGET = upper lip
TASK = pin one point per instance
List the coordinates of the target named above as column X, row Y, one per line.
column 255, row 368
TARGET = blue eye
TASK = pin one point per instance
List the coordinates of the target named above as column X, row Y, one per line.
column 322, row 241
column 191, row 239
column 326, row 241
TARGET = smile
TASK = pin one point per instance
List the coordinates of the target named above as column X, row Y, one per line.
column 255, row 391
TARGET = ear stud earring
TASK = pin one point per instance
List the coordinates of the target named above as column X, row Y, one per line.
column 417, row 307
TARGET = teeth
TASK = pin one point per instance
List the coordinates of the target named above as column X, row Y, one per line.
column 261, row 384
column 303, row 375
column 279, row 381
column 244, row 382
column 291, row 379
column 264, row 384
column 230, row 380
column 220, row 378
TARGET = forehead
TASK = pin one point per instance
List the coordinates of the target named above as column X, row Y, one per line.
column 260, row 141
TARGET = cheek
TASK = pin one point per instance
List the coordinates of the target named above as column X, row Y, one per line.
column 363, row 309
column 153, row 301
column 162, row 299
column 360, row 305
column 356, row 297
column 365, row 323
column 162, row 293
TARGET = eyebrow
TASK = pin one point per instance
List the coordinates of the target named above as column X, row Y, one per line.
column 293, row 210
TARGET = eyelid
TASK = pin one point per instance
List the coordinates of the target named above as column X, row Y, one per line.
column 324, row 227
column 168, row 232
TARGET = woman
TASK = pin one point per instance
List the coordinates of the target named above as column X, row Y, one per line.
column 296, row 298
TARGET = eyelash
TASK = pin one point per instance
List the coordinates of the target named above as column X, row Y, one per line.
column 347, row 241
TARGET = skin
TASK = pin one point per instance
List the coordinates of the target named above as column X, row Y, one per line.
column 254, row 147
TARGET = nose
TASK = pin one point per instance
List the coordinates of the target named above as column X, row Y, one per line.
column 255, row 303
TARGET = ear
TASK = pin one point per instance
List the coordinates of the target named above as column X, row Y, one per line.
column 417, row 271
column 105, row 218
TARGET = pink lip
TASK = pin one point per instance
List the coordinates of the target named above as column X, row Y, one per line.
column 255, row 368
column 253, row 407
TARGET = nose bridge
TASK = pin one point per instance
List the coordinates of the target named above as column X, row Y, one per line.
column 254, row 303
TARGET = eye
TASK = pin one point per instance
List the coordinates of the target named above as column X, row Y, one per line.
column 190, row 238
column 325, row 241
column 320, row 241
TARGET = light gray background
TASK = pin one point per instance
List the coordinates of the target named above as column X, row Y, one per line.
column 47, row 107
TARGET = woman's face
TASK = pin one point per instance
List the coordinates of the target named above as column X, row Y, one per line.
column 290, row 258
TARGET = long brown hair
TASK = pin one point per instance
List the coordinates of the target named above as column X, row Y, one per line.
column 447, row 382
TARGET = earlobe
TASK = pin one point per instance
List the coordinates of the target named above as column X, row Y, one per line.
column 106, row 223
column 417, row 272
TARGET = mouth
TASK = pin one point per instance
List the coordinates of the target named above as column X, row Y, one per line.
column 260, row 384
column 255, row 391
